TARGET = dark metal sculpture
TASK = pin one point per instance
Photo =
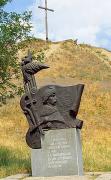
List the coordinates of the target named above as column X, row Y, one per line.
column 50, row 107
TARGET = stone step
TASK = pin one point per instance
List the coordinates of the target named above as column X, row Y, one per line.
column 59, row 178
column 88, row 176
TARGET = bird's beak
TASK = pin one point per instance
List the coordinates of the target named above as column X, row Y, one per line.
column 43, row 66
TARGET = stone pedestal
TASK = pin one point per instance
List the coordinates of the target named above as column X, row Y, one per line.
column 61, row 154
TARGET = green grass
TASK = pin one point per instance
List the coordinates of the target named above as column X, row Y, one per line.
column 13, row 161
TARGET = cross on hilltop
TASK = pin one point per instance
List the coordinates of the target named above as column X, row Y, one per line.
column 46, row 19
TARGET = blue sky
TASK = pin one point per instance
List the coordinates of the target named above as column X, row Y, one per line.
column 89, row 21
column 18, row 5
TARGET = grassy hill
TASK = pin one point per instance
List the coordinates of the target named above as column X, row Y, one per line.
column 69, row 64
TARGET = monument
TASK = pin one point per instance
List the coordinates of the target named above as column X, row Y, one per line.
column 54, row 130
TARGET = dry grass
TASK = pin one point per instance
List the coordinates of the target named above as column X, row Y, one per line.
column 96, row 134
column 74, row 63
column 14, row 154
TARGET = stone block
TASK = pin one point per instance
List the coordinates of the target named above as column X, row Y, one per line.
column 60, row 155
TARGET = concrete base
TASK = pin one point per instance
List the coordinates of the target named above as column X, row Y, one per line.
column 60, row 155
column 59, row 178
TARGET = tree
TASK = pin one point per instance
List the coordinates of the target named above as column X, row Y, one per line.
column 14, row 28
column 3, row 2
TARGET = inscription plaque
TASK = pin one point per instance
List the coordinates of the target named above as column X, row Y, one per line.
column 60, row 154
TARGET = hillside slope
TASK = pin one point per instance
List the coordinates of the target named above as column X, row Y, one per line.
column 69, row 64
column 68, row 59
column 76, row 61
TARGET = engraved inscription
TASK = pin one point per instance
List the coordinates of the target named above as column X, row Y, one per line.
column 58, row 152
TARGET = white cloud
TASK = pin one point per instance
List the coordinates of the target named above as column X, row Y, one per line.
column 82, row 19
